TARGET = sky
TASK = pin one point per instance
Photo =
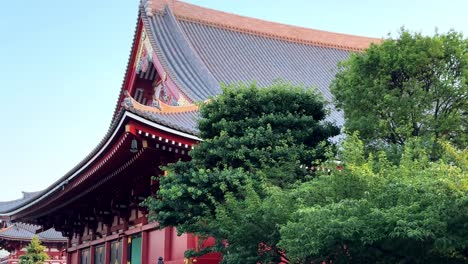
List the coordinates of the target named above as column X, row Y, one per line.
column 62, row 65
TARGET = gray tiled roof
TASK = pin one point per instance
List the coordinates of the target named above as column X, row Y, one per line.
column 22, row 231
column 197, row 53
column 185, row 121
column 8, row 205
column 178, row 56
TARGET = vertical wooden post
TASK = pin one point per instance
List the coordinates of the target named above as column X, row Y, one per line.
column 69, row 260
column 107, row 252
column 168, row 243
column 191, row 241
column 144, row 246
column 78, row 256
column 91, row 254
column 125, row 249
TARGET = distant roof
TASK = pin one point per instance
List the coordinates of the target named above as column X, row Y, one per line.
column 8, row 205
column 25, row 232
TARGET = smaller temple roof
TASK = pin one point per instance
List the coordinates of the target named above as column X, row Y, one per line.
column 25, row 232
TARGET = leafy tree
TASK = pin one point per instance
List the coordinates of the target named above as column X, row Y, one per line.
column 376, row 212
column 257, row 141
column 35, row 253
column 410, row 86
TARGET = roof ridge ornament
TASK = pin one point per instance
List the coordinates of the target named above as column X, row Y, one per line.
column 148, row 5
column 127, row 101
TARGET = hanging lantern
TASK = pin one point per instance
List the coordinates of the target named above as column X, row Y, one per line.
column 134, row 146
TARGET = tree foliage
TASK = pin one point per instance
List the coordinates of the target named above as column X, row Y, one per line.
column 376, row 212
column 410, row 86
column 256, row 141
column 35, row 253
column 250, row 187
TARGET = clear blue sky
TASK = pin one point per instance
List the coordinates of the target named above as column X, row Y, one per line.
column 62, row 65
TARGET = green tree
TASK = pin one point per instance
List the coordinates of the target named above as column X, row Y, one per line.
column 410, row 86
column 35, row 253
column 376, row 212
column 257, row 141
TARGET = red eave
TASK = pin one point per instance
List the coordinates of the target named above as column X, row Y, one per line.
column 107, row 163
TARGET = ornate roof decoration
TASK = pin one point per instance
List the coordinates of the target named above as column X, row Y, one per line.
column 182, row 118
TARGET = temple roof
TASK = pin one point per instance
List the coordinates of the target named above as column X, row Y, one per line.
column 25, row 232
column 234, row 22
column 8, row 205
column 202, row 48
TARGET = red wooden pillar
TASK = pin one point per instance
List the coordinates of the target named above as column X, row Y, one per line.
column 69, row 260
column 167, row 243
column 107, row 252
column 144, row 246
column 191, row 241
column 91, row 254
column 78, row 256
column 124, row 249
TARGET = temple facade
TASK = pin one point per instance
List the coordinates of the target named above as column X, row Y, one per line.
column 181, row 55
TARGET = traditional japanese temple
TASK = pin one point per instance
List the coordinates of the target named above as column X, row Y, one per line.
column 14, row 237
column 181, row 54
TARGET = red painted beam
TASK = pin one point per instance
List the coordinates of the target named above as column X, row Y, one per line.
column 134, row 126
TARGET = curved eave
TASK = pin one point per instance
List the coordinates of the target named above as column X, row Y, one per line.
column 95, row 156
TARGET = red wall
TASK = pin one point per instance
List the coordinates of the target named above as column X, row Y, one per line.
column 178, row 245
column 155, row 245
column 159, row 243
